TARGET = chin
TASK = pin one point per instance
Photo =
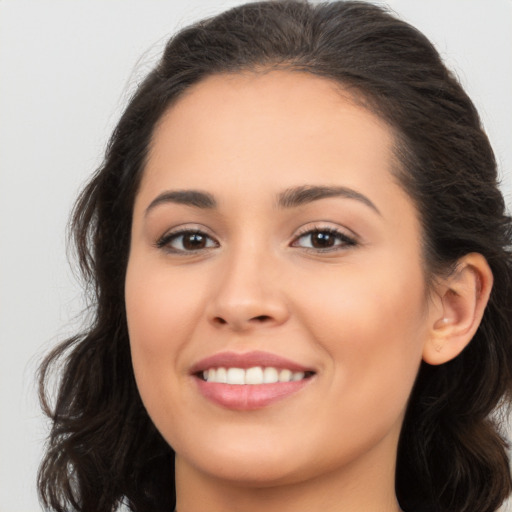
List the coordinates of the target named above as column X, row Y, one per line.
column 246, row 463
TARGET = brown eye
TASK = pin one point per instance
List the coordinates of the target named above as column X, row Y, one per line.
column 186, row 241
column 324, row 240
column 194, row 241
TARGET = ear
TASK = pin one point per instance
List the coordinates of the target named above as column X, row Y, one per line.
column 459, row 305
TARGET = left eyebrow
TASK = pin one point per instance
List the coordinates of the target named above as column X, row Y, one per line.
column 297, row 196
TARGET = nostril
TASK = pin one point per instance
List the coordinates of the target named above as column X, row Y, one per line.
column 238, row 323
column 261, row 318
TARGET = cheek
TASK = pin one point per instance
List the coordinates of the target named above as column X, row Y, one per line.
column 162, row 311
column 373, row 327
column 161, row 306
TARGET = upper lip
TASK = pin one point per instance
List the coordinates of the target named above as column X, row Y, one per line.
column 247, row 360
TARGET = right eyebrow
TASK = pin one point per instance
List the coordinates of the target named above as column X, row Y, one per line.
column 195, row 198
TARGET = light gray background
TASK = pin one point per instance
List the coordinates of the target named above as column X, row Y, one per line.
column 66, row 70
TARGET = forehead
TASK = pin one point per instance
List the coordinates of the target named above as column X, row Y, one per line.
column 294, row 98
column 268, row 121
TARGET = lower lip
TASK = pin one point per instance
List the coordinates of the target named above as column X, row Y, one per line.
column 249, row 396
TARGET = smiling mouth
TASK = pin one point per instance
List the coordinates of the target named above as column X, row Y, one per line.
column 256, row 375
column 251, row 380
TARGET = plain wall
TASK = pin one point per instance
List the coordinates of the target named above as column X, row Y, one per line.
column 66, row 70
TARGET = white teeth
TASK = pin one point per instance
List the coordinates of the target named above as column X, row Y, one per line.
column 236, row 376
column 255, row 375
column 285, row 376
column 270, row 375
column 221, row 375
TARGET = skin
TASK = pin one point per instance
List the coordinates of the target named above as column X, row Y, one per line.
column 357, row 313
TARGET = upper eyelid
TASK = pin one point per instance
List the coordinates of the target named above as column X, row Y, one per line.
column 320, row 226
column 181, row 230
column 187, row 228
column 337, row 234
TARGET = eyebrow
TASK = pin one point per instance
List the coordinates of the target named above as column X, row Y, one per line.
column 195, row 198
column 290, row 198
column 298, row 196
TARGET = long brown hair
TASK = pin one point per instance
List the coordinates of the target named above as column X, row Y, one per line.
column 103, row 449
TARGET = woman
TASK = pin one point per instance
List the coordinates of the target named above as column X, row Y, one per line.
column 302, row 271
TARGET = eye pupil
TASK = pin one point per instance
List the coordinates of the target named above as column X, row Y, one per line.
column 322, row 239
column 194, row 241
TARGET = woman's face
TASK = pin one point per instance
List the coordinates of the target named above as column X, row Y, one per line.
column 272, row 245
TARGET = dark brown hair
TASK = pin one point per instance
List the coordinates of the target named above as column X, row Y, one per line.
column 103, row 449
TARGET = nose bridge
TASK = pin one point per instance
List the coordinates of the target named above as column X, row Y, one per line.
column 247, row 290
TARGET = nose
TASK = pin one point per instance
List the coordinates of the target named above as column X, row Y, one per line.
column 248, row 294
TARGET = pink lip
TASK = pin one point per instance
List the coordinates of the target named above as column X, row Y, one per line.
column 247, row 360
column 247, row 397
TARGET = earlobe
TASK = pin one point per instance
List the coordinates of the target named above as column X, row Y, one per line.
column 461, row 301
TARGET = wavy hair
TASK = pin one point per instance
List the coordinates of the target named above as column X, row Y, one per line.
column 104, row 451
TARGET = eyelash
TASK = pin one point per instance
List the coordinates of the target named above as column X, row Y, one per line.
column 344, row 240
column 165, row 241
